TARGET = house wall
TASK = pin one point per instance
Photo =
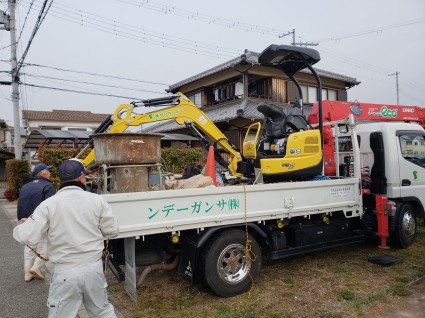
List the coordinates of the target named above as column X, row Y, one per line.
column 258, row 82
column 61, row 125
column 279, row 90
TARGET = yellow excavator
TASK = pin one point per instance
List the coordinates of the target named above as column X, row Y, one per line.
column 282, row 147
column 183, row 111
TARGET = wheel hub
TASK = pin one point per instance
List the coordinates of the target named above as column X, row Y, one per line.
column 232, row 264
column 408, row 225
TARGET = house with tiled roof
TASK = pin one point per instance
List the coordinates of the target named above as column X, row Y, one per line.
column 230, row 93
column 72, row 129
column 62, row 120
column 64, row 128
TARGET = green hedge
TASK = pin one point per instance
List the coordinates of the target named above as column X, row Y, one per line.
column 19, row 170
column 177, row 159
column 16, row 171
column 54, row 157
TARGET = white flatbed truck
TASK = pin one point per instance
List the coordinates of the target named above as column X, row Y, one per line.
column 218, row 235
column 222, row 231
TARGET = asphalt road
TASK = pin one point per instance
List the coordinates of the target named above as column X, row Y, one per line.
column 17, row 298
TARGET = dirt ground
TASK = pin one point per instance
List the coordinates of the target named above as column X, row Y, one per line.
column 409, row 305
column 405, row 307
column 335, row 283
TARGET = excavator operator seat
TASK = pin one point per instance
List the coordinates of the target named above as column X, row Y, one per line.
column 296, row 119
column 275, row 120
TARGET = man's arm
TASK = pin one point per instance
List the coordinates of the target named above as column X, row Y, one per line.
column 108, row 223
column 31, row 230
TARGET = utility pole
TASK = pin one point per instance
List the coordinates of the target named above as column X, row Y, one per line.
column 396, row 85
column 15, row 82
column 297, row 43
column 287, row 33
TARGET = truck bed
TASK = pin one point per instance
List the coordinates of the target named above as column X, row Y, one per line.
column 144, row 213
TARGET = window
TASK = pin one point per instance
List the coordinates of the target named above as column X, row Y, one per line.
column 305, row 92
column 412, row 145
column 332, row 94
column 311, row 95
column 226, row 91
column 196, row 99
column 329, row 94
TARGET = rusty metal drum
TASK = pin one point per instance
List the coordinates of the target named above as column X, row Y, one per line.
column 129, row 179
column 127, row 148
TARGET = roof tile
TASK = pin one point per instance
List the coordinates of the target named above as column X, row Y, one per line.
column 64, row 115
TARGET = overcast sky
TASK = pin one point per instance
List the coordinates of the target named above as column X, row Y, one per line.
column 140, row 47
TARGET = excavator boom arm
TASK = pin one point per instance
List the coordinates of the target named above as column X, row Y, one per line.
column 185, row 113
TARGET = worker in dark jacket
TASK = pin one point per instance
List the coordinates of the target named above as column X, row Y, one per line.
column 30, row 196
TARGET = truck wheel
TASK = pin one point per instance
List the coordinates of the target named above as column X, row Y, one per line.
column 227, row 270
column 405, row 233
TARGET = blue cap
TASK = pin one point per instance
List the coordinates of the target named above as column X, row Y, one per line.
column 70, row 170
column 40, row 167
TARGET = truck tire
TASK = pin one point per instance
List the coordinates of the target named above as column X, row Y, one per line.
column 405, row 232
column 227, row 272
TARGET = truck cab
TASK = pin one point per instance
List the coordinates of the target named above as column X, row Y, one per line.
column 393, row 154
column 404, row 157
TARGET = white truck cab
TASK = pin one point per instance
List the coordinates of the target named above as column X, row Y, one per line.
column 394, row 155
column 404, row 157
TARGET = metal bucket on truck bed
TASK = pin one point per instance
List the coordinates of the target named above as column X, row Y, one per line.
column 127, row 148
column 131, row 158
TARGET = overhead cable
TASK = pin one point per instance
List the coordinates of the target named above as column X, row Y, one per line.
column 90, row 83
column 198, row 16
column 94, row 74
column 114, row 27
column 40, row 19
column 80, row 92
column 375, row 30
column 25, row 21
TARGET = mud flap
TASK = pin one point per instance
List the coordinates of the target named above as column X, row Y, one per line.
column 187, row 264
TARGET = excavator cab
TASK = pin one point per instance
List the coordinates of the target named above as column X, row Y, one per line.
column 285, row 149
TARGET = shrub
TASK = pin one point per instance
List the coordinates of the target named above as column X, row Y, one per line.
column 10, row 195
column 54, row 157
column 177, row 159
column 16, row 170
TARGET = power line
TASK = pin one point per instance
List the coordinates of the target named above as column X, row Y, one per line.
column 41, row 16
column 22, row 89
column 127, row 31
column 79, row 92
column 90, row 83
column 94, row 74
column 198, row 16
column 421, row 101
column 80, row 88
column 114, row 27
column 25, row 21
column 366, row 66
column 375, row 30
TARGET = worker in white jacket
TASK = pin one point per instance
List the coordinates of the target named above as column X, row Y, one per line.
column 77, row 223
